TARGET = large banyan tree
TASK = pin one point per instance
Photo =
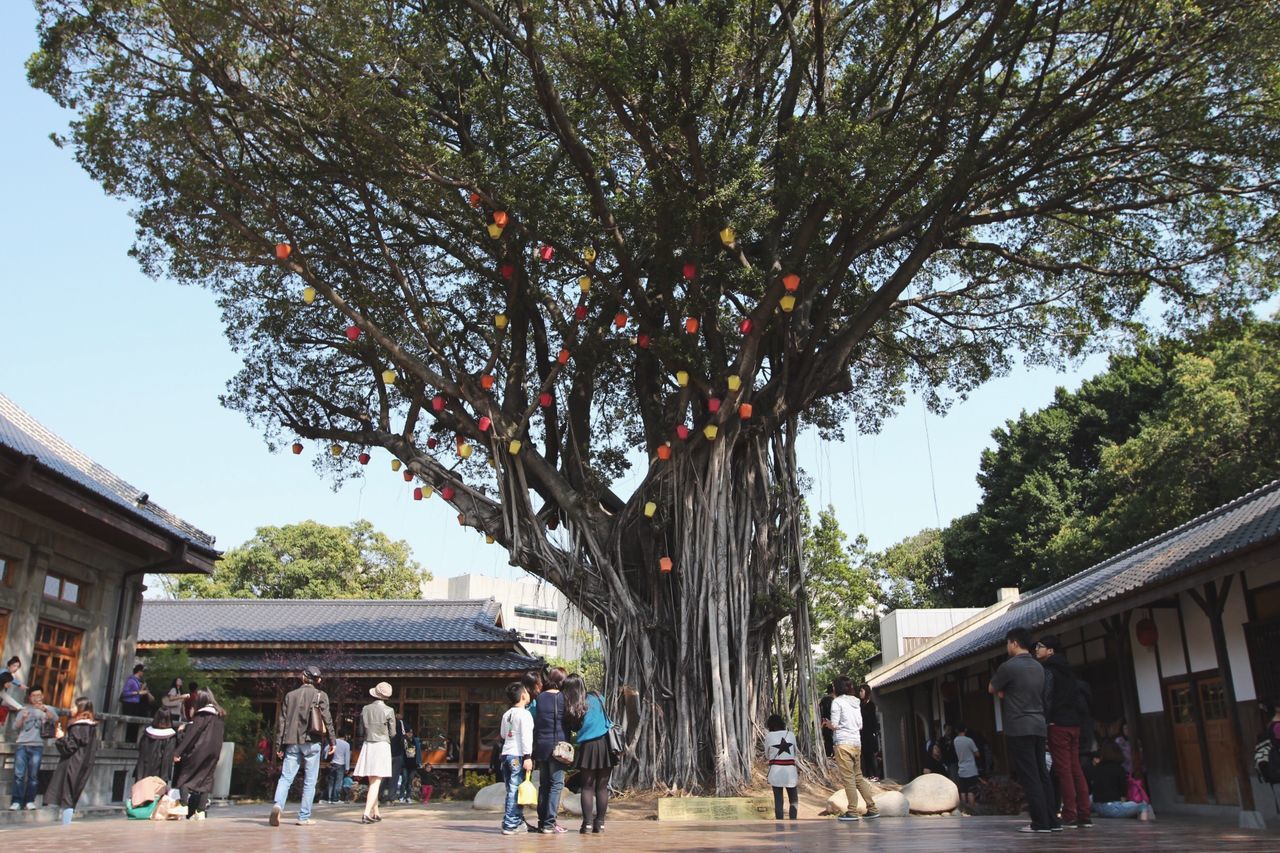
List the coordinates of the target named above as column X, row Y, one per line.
column 522, row 244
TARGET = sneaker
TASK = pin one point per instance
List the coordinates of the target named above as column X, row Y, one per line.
column 848, row 818
column 1069, row 826
column 510, row 831
column 13, row 807
column 1029, row 828
column 275, row 816
column 199, row 816
column 1084, row 824
column 871, row 815
column 1056, row 828
column 307, row 822
column 31, row 807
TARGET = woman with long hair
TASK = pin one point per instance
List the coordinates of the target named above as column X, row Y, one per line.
column 549, row 729
column 77, row 747
column 174, row 700
column 155, row 749
column 198, row 750
column 585, row 714
column 379, row 723
column 870, row 735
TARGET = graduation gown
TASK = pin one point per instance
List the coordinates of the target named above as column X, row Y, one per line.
column 198, row 749
column 76, row 751
column 155, row 754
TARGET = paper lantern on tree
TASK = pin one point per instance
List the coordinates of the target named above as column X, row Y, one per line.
column 363, row 458
column 620, row 319
column 500, row 320
column 297, row 448
column 432, row 442
column 580, row 313
column 682, row 432
column 395, row 464
column 711, row 431
column 664, row 452
column 713, row 405
column 500, row 218
column 691, row 325
column 589, row 255
column 485, row 423
column 546, row 253
column 438, row 403
column 447, row 493
column 665, row 565
column 791, row 282
column 727, row 236
column 283, row 250
column 495, row 230
column 735, row 382
column 584, row 283
column 464, row 450
column 336, row 449
column 514, row 447
column 308, row 295
column 649, row 509
column 787, row 303
column 642, row 340
column 408, row 475
column 545, row 399
column 462, row 520
column 389, row 376
column 682, row 378
column 352, row 332
column 488, row 540
column 563, row 356
column 744, row 411
column 475, row 199
column 507, row 271
column 417, row 494
column 553, row 522
column 746, row 326
column 486, row 382
column 1147, row 633
column 427, row 492
column 690, row 270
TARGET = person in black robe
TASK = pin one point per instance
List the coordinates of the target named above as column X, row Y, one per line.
column 196, row 755
column 77, row 747
column 155, row 748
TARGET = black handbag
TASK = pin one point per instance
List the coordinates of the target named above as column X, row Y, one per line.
column 315, row 721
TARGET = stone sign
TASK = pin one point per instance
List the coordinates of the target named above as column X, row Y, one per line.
column 714, row 808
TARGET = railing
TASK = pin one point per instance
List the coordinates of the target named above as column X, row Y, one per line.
column 112, row 728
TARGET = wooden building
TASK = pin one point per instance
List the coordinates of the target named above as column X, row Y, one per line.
column 75, row 543
column 1179, row 637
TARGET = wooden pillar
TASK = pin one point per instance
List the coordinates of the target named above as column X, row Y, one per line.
column 1122, row 647
column 1213, row 602
column 462, row 741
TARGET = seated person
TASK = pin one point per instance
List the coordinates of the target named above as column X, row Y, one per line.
column 1109, row 787
column 933, row 760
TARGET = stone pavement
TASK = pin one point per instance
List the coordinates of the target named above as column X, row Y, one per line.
column 244, row 829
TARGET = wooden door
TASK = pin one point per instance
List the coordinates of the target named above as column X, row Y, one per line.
column 1180, row 700
column 1222, row 746
column 54, row 662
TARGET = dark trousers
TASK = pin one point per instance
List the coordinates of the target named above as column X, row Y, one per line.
column 1026, row 756
column 391, row 785
column 792, row 795
column 870, row 754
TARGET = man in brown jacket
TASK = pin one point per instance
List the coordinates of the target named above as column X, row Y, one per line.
column 299, row 743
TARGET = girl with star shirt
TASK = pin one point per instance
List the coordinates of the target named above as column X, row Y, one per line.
column 780, row 752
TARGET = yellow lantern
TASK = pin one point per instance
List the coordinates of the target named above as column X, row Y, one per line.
column 649, row 509
column 493, row 463
column 308, row 295
column 395, row 464
column 589, row 255
column 787, row 303
column 500, row 320
column 735, row 382
column 389, row 376
column 488, row 540
column 464, row 450
column 584, row 283
column 514, row 447
column 495, row 230
column 427, row 492
column 711, row 431
column 336, row 450
column 682, row 378
column 727, row 236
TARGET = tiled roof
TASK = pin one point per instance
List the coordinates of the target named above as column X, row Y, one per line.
column 371, row 663
column 407, row 622
column 28, row 437
column 1242, row 524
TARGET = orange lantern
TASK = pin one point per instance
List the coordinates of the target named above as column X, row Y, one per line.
column 486, row 382
column 408, row 475
column 283, row 251
column 691, row 325
column 665, row 565
column 563, row 357
column 744, row 411
column 791, row 282
column 297, row 448
column 620, row 319
column 474, row 198
column 500, row 218
column 664, row 452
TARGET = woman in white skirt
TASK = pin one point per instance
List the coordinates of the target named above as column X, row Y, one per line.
column 375, row 756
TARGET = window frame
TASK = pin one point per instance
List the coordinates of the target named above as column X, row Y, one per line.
column 60, row 692
column 62, row 581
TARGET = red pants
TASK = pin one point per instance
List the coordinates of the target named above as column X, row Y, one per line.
column 1064, row 746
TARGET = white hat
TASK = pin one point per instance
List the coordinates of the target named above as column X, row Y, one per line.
column 381, row 690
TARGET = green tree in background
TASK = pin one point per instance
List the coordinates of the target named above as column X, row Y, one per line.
column 911, row 573
column 843, row 598
column 310, row 560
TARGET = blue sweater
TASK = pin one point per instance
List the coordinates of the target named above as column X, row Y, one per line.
column 595, row 724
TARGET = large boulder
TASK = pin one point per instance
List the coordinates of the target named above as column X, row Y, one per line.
column 932, row 793
column 837, row 803
column 491, row 798
column 893, row 804
column 570, row 803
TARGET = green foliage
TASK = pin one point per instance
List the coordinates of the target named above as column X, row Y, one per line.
column 590, row 665
column 843, row 599
column 169, row 662
column 911, row 573
column 473, row 782
column 310, row 560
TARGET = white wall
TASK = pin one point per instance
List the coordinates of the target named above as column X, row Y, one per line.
column 1199, row 636
column 534, row 633
column 1146, row 672
column 896, row 627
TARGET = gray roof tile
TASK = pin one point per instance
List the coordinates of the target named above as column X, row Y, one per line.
column 193, row 622
column 371, row 663
column 27, row 436
column 1246, row 522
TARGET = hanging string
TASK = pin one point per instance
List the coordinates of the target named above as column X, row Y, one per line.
column 933, row 482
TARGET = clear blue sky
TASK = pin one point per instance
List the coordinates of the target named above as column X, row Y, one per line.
column 129, row 370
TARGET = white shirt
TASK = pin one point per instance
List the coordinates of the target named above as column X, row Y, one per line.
column 780, row 751
column 846, row 716
column 517, row 732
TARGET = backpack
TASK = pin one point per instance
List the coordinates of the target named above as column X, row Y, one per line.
column 1266, row 760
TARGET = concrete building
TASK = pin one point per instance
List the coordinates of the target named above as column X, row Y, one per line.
column 75, row 542
column 903, row 631
column 545, row 623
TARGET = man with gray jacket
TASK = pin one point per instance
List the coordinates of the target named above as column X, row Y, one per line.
column 299, row 743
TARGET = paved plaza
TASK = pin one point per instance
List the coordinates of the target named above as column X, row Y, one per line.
column 244, row 829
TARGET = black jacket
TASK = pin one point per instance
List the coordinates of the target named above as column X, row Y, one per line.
column 1061, row 693
column 155, row 754
column 76, row 751
column 199, row 748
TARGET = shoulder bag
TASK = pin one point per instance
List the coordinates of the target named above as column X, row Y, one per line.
column 617, row 741
column 563, row 750
column 315, row 720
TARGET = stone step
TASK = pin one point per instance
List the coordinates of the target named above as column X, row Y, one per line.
column 50, row 814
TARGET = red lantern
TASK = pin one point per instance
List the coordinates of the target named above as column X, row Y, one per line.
column 447, row 493
column 438, row 403
column 744, row 411
column 1148, row 634
column 432, row 442
column 474, row 198
column 507, row 271
column 352, row 332
column 563, row 357
column 580, row 313
column 746, row 326
column 546, row 253
column 408, row 475
column 690, row 270
column 682, row 432
column 283, row 250
column 500, row 218
column 664, row 452
column 417, row 494
column 363, row 458
column 691, row 325
column 297, row 448
column 486, row 382
column 642, row 341
column 665, row 565
column 713, row 405
column 791, row 282
column 485, row 423
column 620, row 319
column 545, row 399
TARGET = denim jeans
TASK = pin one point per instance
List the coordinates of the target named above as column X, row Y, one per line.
column 1122, row 808
column 333, row 786
column 408, row 778
column 308, row 756
column 513, row 775
column 550, row 784
column 26, row 773
column 391, row 784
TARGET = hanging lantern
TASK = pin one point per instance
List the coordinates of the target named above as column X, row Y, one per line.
column 546, row 253
column 514, row 447
column 682, row 432
column 690, row 270
column 464, row 450
column 713, row 405
column 507, row 271
column 665, row 565
column 352, row 332
column 500, row 218
column 336, row 449
column 488, row 540
column 462, row 519
column 787, row 303
column 395, row 464
column 735, row 382
column 486, row 382
column 727, row 236
column 500, row 320
column 682, row 378
column 1148, row 634
column 746, row 326
column 711, row 431
column 545, row 399
column 664, row 452
column 438, row 403
column 553, row 522
column 580, row 313
column 308, row 295
column 791, row 282
column 584, row 283
column 492, row 463
column 432, row 442
column 447, row 493
column 427, row 492
column 620, row 319
column 563, row 356
column 297, row 448
column 283, row 251
column 589, row 255
column 363, row 458
column 389, row 376
column 642, row 340
column 408, row 475
column 691, row 325
column 485, row 423
column 744, row 411
column 475, row 199
column 649, row 509
column 495, row 231
column 417, row 494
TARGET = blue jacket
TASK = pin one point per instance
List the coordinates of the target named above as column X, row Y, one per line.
column 596, row 723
